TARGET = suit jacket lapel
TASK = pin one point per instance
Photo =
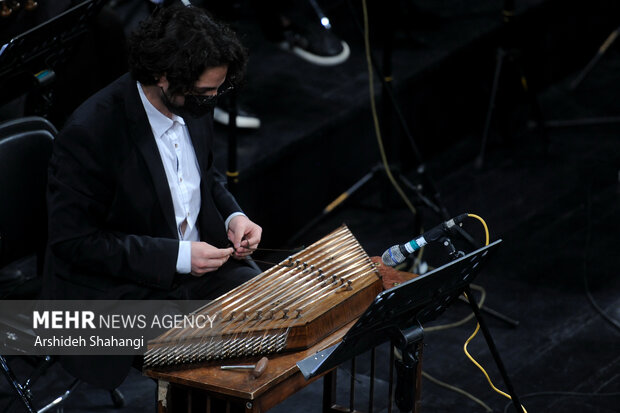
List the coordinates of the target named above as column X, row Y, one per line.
column 212, row 228
column 140, row 131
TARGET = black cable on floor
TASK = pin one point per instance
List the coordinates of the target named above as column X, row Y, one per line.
column 562, row 393
column 586, row 250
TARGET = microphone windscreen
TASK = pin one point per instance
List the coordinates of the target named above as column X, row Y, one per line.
column 393, row 256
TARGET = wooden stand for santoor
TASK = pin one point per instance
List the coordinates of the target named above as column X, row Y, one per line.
column 202, row 388
column 210, row 389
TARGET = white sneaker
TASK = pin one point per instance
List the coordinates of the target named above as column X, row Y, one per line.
column 244, row 120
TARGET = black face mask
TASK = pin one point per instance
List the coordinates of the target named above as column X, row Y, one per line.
column 195, row 106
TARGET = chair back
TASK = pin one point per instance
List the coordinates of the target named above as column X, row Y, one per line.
column 26, row 124
column 24, row 156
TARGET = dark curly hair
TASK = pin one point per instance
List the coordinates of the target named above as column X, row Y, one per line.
column 181, row 42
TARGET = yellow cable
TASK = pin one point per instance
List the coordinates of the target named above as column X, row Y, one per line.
column 484, row 224
column 482, row 368
column 452, row 325
column 486, row 232
column 371, row 88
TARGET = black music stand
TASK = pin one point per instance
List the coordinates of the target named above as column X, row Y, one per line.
column 397, row 314
column 28, row 60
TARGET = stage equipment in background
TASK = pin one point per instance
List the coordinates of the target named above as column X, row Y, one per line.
column 8, row 7
column 508, row 52
column 599, row 54
column 398, row 315
column 425, row 190
column 232, row 174
column 28, row 61
column 579, row 79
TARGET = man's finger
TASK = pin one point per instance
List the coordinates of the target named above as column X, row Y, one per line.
column 225, row 252
column 213, row 263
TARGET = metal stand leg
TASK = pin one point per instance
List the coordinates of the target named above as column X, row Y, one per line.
column 23, row 391
column 537, row 110
column 487, row 123
column 23, row 394
column 60, row 399
column 532, row 99
column 510, row 321
column 41, row 368
column 232, row 174
column 577, row 81
column 601, row 51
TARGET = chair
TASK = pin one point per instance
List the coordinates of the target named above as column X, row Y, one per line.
column 18, row 279
column 23, row 178
column 25, row 150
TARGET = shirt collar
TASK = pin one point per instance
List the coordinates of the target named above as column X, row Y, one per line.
column 160, row 123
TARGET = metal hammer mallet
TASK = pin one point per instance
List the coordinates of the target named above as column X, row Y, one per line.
column 257, row 369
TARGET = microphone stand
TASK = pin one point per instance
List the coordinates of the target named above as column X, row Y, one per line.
column 232, row 172
column 509, row 52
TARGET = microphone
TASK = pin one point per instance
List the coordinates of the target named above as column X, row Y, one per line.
column 399, row 253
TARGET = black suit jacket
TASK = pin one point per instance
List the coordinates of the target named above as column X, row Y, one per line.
column 112, row 230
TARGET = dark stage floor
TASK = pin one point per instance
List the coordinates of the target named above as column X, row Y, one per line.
column 555, row 204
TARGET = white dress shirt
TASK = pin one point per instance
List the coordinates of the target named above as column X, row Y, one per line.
column 183, row 174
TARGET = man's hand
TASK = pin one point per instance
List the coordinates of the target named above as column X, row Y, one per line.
column 244, row 235
column 207, row 258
